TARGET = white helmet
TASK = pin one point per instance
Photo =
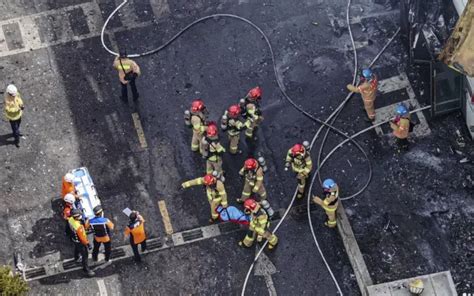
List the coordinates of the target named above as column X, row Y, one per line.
column 12, row 90
column 69, row 177
column 69, row 198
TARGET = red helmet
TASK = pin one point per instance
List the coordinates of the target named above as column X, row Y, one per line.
column 250, row 164
column 255, row 93
column 250, row 204
column 197, row 105
column 234, row 111
column 209, row 180
column 211, row 129
column 297, row 149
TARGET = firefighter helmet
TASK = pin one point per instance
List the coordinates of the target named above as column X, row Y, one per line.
column 197, row 105
column 234, row 111
column 97, row 210
column 255, row 93
column 250, row 164
column 367, row 73
column 250, row 204
column 211, row 130
column 401, row 110
column 12, row 90
column 329, row 184
column 69, row 198
column 76, row 213
column 69, row 177
column 297, row 149
column 209, row 180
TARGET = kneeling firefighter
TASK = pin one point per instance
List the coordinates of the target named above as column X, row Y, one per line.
column 258, row 227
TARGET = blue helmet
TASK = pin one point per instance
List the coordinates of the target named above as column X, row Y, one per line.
column 401, row 110
column 367, row 73
column 329, row 184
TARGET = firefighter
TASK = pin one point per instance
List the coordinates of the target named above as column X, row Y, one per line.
column 368, row 90
column 197, row 120
column 13, row 111
column 136, row 230
column 330, row 201
column 258, row 227
column 68, row 185
column 79, row 237
column 128, row 71
column 401, row 126
column 101, row 227
column 299, row 159
column 233, row 125
column 215, row 191
column 253, row 174
column 251, row 111
column 212, row 150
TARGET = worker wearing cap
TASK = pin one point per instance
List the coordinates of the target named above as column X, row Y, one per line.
column 136, row 230
column 368, row 90
column 258, row 227
column 14, row 106
column 79, row 238
column 330, row 201
column 128, row 71
column 215, row 191
column 401, row 126
column 102, row 227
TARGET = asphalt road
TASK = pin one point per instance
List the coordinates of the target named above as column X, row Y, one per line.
column 74, row 118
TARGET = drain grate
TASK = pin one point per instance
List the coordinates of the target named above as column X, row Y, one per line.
column 35, row 272
column 228, row 227
column 192, row 235
column 117, row 253
column 71, row 264
column 155, row 244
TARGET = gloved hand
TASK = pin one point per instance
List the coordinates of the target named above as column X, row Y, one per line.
column 287, row 166
column 255, row 190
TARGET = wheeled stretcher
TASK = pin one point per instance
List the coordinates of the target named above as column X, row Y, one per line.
column 86, row 190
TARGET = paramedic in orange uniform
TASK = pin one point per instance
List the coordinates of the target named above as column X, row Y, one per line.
column 68, row 185
column 136, row 230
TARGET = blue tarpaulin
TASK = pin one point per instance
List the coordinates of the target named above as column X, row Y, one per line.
column 233, row 215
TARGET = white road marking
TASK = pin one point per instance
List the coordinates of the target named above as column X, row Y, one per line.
column 102, row 287
column 265, row 267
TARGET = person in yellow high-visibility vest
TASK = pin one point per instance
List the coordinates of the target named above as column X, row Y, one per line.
column 299, row 159
column 330, row 201
column 215, row 191
column 128, row 71
column 13, row 111
column 258, row 227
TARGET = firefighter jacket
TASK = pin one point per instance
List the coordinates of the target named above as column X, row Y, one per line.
column 252, row 110
column 368, row 89
column 234, row 126
column 301, row 164
column 401, row 127
column 101, row 227
column 331, row 201
column 78, row 231
column 259, row 222
column 253, row 177
column 136, row 229
column 13, row 107
column 214, row 149
column 216, row 191
column 198, row 122
column 125, row 65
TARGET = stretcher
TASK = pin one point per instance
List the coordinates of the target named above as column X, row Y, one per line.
column 86, row 190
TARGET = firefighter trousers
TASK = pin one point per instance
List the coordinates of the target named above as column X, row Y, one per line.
column 214, row 203
column 369, row 108
column 214, row 166
column 234, row 143
column 247, row 191
column 196, row 142
column 301, row 184
column 331, row 213
column 251, row 235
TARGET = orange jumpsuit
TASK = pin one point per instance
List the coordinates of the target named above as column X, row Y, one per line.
column 67, row 188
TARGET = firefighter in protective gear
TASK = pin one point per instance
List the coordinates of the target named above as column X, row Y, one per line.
column 368, row 90
column 79, row 238
column 215, row 191
column 299, row 159
column 68, row 185
column 258, row 227
column 252, row 112
column 128, row 71
column 102, row 227
column 14, row 107
column 213, row 150
column 253, row 174
column 198, row 123
column 136, row 230
column 234, row 127
column 401, row 126
column 330, row 201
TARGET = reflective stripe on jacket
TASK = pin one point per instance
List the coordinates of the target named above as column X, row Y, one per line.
column 299, row 163
column 78, row 230
column 259, row 221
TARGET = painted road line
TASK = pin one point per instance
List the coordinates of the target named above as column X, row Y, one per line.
column 139, row 129
column 102, row 287
column 166, row 217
